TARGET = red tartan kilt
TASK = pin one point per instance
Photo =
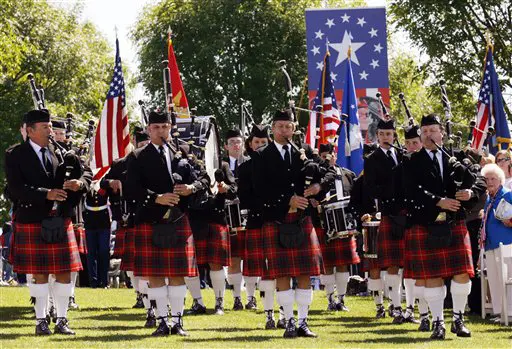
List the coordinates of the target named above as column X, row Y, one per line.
column 407, row 263
column 31, row 255
column 128, row 255
column 390, row 252
column 164, row 262
column 237, row 243
column 254, row 260
column 427, row 263
column 284, row 262
column 214, row 247
column 337, row 252
column 119, row 242
column 80, row 238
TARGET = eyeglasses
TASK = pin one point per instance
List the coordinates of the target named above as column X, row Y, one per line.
column 234, row 142
column 503, row 159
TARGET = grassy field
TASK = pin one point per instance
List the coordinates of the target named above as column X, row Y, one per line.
column 106, row 320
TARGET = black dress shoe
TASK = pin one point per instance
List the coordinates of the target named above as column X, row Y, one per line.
column 52, row 313
column 304, row 331
column 72, row 304
column 340, row 306
column 150, row 318
column 281, row 323
column 398, row 317
column 390, row 310
column 291, row 329
column 163, row 328
column 411, row 319
column 139, row 304
column 178, row 327
column 424, row 325
column 251, row 303
column 62, row 327
column 237, row 305
column 270, row 324
column 332, row 306
column 219, row 306
column 196, row 308
column 459, row 328
column 438, row 331
column 381, row 312
column 42, row 328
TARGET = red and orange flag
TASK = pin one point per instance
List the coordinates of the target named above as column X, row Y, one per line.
column 178, row 92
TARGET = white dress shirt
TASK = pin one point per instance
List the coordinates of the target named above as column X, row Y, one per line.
column 393, row 154
column 37, row 149
column 282, row 151
column 439, row 156
column 232, row 163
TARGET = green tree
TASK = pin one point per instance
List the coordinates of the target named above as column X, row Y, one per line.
column 71, row 60
column 227, row 50
column 452, row 33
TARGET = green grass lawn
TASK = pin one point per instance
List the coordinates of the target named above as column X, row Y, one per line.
column 106, row 320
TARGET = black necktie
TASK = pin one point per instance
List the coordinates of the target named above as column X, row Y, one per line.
column 46, row 163
column 236, row 166
column 390, row 157
column 287, row 157
column 162, row 156
column 436, row 163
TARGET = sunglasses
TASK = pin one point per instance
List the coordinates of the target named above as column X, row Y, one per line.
column 503, row 159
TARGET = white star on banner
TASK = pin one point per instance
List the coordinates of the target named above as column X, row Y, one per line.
column 363, row 75
column 333, row 76
column 361, row 21
column 320, row 65
column 345, row 18
column 319, row 34
column 373, row 32
column 330, row 23
column 342, row 49
column 378, row 48
column 315, row 50
column 374, row 63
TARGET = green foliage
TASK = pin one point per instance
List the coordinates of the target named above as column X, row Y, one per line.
column 453, row 35
column 71, row 60
column 227, row 50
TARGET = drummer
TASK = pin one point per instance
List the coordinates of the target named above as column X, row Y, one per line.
column 337, row 253
column 379, row 182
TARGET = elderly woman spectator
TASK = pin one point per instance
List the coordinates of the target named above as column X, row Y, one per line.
column 504, row 162
column 494, row 232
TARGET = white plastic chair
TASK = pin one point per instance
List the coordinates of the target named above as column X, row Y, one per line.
column 505, row 258
column 484, row 286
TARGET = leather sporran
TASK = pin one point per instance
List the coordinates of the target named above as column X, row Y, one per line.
column 291, row 235
column 398, row 226
column 53, row 230
column 439, row 235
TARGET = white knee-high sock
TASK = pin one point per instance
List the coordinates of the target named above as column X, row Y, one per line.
column 218, row 282
column 135, row 282
column 328, row 281
column 176, row 298
column 285, row 299
column 409, row 292
column 419, row 293
column 393, row 282
column 303, row 297
column 267, row 289
column 236, row 281
column 62, row 292
column 159, row 294
column 143, row 289
column 435, row 299
column 74, row 275
column 460, row 293
column 341, row 283
column 376, row 286
column 40, row 293
column 250, row 285
column 194, row 287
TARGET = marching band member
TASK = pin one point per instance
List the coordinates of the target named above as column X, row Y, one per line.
column 338, row 254
column 439, row 245
column 291, row 245
column 160, row 182
column 45, row 188
column 379, row 181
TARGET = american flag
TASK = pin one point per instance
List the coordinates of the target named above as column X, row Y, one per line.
column 112, row 134
column 329, row 117
column 364, row 31
column 490, row 110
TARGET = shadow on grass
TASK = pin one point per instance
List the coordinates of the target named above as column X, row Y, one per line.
column 116, row 317
column 229, row 339
column 394, row 340
column 228, row 329
column 110, row 328
column 109, row 338
column 14, row 313
column 81, row 310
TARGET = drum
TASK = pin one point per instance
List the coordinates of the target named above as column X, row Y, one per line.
column 370, row 236
column 237, row 218
column 337, row 221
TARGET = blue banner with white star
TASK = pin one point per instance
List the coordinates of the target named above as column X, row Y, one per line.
column 364, row 31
